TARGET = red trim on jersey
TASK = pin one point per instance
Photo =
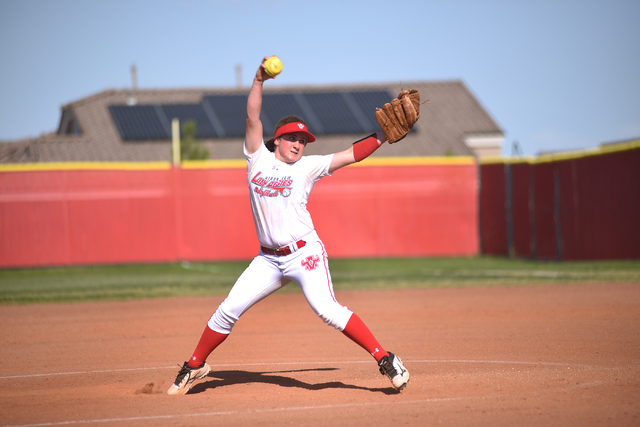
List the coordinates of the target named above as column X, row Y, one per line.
column 326, row 270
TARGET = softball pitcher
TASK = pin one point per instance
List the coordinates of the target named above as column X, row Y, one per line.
column 280, row 180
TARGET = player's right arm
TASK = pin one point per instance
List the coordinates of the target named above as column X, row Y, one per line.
column 253, row 136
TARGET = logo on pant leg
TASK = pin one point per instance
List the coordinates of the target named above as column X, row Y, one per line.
column 310, row 262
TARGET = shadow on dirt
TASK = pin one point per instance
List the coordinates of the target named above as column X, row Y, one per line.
column 227, row 378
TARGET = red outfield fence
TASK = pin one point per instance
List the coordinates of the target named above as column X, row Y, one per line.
column 97, row 213
column 576, row 206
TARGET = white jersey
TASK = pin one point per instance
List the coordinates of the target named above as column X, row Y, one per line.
column 279, row 192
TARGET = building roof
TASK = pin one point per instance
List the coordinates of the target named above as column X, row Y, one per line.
column 132, row 125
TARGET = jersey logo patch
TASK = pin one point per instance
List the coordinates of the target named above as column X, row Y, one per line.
column 311, row 262
column 272, row 186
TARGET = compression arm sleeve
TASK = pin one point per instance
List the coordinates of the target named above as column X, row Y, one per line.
column 365, row 147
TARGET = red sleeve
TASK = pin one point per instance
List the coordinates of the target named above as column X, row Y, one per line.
column 365, row 147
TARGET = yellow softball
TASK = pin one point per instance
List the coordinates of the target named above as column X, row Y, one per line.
column 273, row 66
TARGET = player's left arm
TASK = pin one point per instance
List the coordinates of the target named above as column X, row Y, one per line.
column 360, row 150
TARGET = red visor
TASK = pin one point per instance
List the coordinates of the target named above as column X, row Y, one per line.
column 293, row 128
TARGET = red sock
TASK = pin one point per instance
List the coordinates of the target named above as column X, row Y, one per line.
column 209, row 340
column 358, row 332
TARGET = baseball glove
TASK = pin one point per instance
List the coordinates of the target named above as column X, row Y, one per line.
column 396, row 118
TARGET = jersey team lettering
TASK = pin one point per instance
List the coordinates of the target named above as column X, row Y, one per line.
column 272, row 186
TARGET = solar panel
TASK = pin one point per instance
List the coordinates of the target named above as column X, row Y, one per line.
column 367, row 103
column 231, row 111
column 338, row 112
column 138, row 122
column 334, row 114
column 277, row 106
column 369, row 100
column 195, row 112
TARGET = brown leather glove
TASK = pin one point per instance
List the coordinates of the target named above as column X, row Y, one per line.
column 396, row 118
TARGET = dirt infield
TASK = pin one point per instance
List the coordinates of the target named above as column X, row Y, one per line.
column 500, row 356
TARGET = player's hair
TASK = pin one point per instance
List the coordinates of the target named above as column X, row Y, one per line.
column 271, row 146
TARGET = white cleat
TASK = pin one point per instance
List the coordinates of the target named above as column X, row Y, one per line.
column 187, row 377
column 392, row 367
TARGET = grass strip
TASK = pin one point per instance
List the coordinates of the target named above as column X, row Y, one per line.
column 130, row 282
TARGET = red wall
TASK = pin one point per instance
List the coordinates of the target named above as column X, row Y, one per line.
column 68, row 217
column 581, row 207
column 545, row 225
column 398, row 211
column 81, row 217
column 493, row 210
column 600, row 206
column 521, row 178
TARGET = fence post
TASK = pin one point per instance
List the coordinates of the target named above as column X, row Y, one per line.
column 532, row 212
column 556, row 212
column 509, row 209
column 177, row 185
column 175, row 141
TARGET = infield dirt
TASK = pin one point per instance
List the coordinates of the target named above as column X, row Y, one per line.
column 494, row 356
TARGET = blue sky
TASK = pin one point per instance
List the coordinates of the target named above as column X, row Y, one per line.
column 554, row 74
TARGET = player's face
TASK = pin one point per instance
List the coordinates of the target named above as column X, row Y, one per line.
column 289, row 147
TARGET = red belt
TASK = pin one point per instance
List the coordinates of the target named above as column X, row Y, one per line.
column 285, row 250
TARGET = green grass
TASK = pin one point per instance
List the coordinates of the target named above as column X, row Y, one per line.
column 127, row 282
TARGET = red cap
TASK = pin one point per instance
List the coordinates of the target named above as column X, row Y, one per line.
column 293, row 128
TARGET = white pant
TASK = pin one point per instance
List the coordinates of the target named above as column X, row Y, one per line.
column 308, row 267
